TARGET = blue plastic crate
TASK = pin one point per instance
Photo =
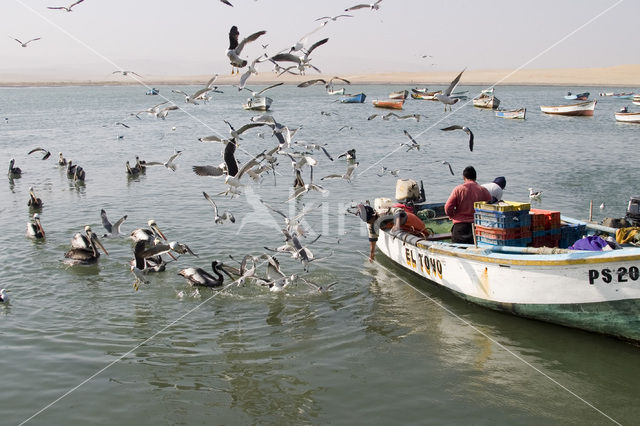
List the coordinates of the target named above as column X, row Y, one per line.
column 571, row 233
column 514, row 242
column 503, row 220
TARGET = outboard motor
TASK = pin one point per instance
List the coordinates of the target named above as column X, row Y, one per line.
column 633, row 210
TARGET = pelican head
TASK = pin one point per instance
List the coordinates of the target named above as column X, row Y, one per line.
column 154, row 227
column 36, row 220
column 87, row 228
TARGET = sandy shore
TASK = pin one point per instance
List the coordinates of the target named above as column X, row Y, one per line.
column 623, row 75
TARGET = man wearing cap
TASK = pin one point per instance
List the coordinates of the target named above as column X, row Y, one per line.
column 495, row 188
column 459, row 207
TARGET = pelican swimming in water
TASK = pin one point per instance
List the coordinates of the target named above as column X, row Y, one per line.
column 200, row 277
column 61, row 160
column 147, row 259
column 34, row 202
column 34, row 228
column 133, row 171
column 85, row 255
column 4, row 297
column 14, row 172
column 148, row 234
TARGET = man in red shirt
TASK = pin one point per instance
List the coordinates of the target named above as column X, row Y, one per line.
column 459, row 206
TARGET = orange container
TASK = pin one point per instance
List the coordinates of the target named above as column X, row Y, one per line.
column 551, row 218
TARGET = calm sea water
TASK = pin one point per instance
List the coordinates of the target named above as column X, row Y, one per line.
column 381, row 347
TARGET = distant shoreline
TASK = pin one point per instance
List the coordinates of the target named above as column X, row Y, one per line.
column 619, row 76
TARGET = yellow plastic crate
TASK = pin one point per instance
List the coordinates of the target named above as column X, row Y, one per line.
column 502, row 206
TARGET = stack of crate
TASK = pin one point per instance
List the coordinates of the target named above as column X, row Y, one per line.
column 545, row 228
column 570, row 233
column 505, row 223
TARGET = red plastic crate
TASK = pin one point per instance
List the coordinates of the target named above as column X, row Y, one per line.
column 503, row 233
column 537, row 221
column 546, row 241
column 551, row 218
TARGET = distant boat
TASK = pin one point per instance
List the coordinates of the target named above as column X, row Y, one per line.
column 582, row 108
column 512, row 113
column 353, row 99
column 402, row 94
column 389, row 103
column 636, row 100
column 486, row 100
column 425, row 96
column 628, row 117
column 419, row 90
column 336, row 92
column 258, row 103
column 618, row 95
column 153, row 91
column 579, row 97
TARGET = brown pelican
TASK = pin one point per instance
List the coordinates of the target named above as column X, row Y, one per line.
column 14, row 172
column 133, row 171
column 61, row 160
column 4, row 297
column 85, row 255
column 148, row 234
column 79, row 174
column 71, row 169
column 34, row 228
column 200, row 277
column 34, row 202
column 147, row 258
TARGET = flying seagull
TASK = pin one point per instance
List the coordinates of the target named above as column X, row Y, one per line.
column 374, row 6
column 216, row 217
column 235, row 47
column 445, row 97
column 466, row 130
column 226, row 2
column 124, row 73
column 112, row 229
column 333, row 18
column 26, row 42
column 67, row 8
column 413, row 144
column 46, row 154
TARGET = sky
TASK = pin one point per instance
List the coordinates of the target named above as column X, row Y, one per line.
column 190, row 37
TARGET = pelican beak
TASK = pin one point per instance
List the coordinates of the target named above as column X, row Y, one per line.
column 155, row 227
column 94, row 237
column 39, row 225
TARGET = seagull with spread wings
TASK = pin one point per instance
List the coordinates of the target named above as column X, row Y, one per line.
column 125, row 73
column 445, row 97
column 217, row 218
column 465, row 129
column 45, row 154
column 235, row 48
column 112, row 229
column 413, row 144
column 346, row 176
column 26, row 42
column 301, row 61
column 67, row 8
column 373, row 6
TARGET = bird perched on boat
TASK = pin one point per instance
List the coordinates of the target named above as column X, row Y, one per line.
column 445, row 97
column 34, row 202
column 34, row 228
column 350, row 155
column 216, row 217
column 464, row 129
column 373, row 6
column 89, row 253
column 534, row 195
column 235, row 48
column 61, row 160
column 413, row 144
column 112, row 229
column 14, row 172
column 4, row 296
column 26, row 42
column 46, row 154
column 66, row 8
column 200, row 277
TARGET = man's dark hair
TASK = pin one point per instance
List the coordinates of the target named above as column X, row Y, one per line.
column 469, row 173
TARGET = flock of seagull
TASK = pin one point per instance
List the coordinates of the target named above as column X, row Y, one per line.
column 152, row 251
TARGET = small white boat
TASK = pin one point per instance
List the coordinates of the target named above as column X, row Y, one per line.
column 519, row 113
column 401, row 94
column 596, row 291
column 335, row 92
column 636, row 100
column 486, row 101
column 582, row 108
column 258, row 103
column 628, row 117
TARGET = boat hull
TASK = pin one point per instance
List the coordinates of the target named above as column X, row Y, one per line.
column 353, row 99
column 489, row 102
column 429, row 96
column 336, row 92
column 593, row 291
column 583, row 108
column 403, row 94
column 389, row 104
column 628, row 117
column 512, row 113
column 262, row 103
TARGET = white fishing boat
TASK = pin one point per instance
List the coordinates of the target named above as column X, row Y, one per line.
column 636, row 100
column 598, row 291
column 582, row 108
column 336, row 92
column 486, row 101
column 628, row 117
column 519, row 113
column 258, row 103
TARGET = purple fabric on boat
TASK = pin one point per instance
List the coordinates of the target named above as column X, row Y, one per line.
column 591, row 242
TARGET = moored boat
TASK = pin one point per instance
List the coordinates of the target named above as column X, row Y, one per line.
column 486, row 101
column 425, row 96
column 153, row 91
column 628, row 117
column 596, row 291
column 353, row 99
column 402, row 94
column 388, row 103
column 582, row 108
column 336, row 92
column 636, row 100
column 519, row 113
column 580, row 96
column 258, row 103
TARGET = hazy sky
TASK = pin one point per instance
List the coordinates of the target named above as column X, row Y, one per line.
column 189, row 37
